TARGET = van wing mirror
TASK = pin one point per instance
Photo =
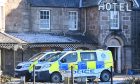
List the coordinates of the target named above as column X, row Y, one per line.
column 63, row 60
column 41, row 60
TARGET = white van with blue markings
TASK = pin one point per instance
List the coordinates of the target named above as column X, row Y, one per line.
column 22, row 69
column 85, row 63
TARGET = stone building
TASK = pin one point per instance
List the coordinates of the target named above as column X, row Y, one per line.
column 31, row 26
column 136, row 37
column 112, row 29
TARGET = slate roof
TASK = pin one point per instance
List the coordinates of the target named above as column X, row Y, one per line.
column 65, row 3
column 138, row 2
column 55, row 3
column 49, row 38
column 88, row 3
column 6, row 38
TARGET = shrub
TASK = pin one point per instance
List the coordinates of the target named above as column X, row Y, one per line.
column 5, row 78
column 131, row 80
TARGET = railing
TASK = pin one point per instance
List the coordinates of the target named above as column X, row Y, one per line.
column 132, row 76
column 83, row 80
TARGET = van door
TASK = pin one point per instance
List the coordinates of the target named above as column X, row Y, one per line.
column 89, row 58
column 68, row 61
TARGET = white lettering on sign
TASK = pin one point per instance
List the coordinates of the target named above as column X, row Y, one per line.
column 78, row 73
column 113, row 6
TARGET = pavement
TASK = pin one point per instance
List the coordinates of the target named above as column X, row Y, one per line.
column 117, row 79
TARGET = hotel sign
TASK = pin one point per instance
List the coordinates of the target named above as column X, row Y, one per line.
column 114, row 7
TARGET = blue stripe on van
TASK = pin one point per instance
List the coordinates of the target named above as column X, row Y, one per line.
column 63, row 66
column 82, row 65
column 99, row 64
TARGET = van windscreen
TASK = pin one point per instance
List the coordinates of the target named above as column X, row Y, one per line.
column 55, row 57
column 36, row 56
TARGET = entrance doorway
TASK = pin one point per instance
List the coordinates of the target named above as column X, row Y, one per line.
column 116, row 52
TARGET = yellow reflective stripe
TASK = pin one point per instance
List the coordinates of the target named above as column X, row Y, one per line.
column 109, row 63
column 110, row 56
column 54, row 67
column 91, row 65
column 31, row 66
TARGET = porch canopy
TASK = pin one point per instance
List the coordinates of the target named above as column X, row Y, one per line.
column 24, row 40
column 8, row 41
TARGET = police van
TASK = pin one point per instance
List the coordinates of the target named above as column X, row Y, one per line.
column 85, row 63
column 22, row 69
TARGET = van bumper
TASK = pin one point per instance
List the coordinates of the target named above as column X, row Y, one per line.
column 42, row 76
column 22, row 73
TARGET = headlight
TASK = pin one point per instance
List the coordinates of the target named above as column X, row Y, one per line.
column 18, row 67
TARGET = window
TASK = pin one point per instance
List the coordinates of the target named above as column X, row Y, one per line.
column 88, row 56
column 47, row 56
column 114, row 20
column 72, row 57
column 1, row 17
column 44, row 19
column 73, row 20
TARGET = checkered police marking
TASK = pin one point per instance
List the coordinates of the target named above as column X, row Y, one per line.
column 99, row 64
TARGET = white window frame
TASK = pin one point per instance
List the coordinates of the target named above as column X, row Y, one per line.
column 0, row 16
column 40, row 19
column 118, row 19
column 76, row 20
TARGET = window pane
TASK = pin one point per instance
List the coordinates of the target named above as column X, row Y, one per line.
column 48, row 13
column 44, row 19
column 45, row 12
column 88, row 56
column 47, row 17
column 73, row 20
column 114, row 19
column 44, row 26
column 71, row 57
column 41, row 12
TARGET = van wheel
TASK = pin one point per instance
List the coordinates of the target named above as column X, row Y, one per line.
column 105, row 76
column 56, row 78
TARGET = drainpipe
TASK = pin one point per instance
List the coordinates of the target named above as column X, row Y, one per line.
column 63, row 28
column 80, row 4
column 85, row 12
column 0, row 63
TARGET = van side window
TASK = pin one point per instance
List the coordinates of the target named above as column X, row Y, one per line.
column 72, row 57
column 88, row 56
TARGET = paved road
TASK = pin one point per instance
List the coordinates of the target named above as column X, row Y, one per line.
column 116, row 80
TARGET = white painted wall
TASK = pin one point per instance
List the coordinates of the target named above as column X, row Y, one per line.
column 2, row 2
column 2, row 18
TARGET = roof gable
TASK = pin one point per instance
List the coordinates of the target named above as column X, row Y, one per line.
column 138, row 2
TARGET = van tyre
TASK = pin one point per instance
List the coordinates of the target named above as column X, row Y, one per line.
column 105, row 76
column 56, row 78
